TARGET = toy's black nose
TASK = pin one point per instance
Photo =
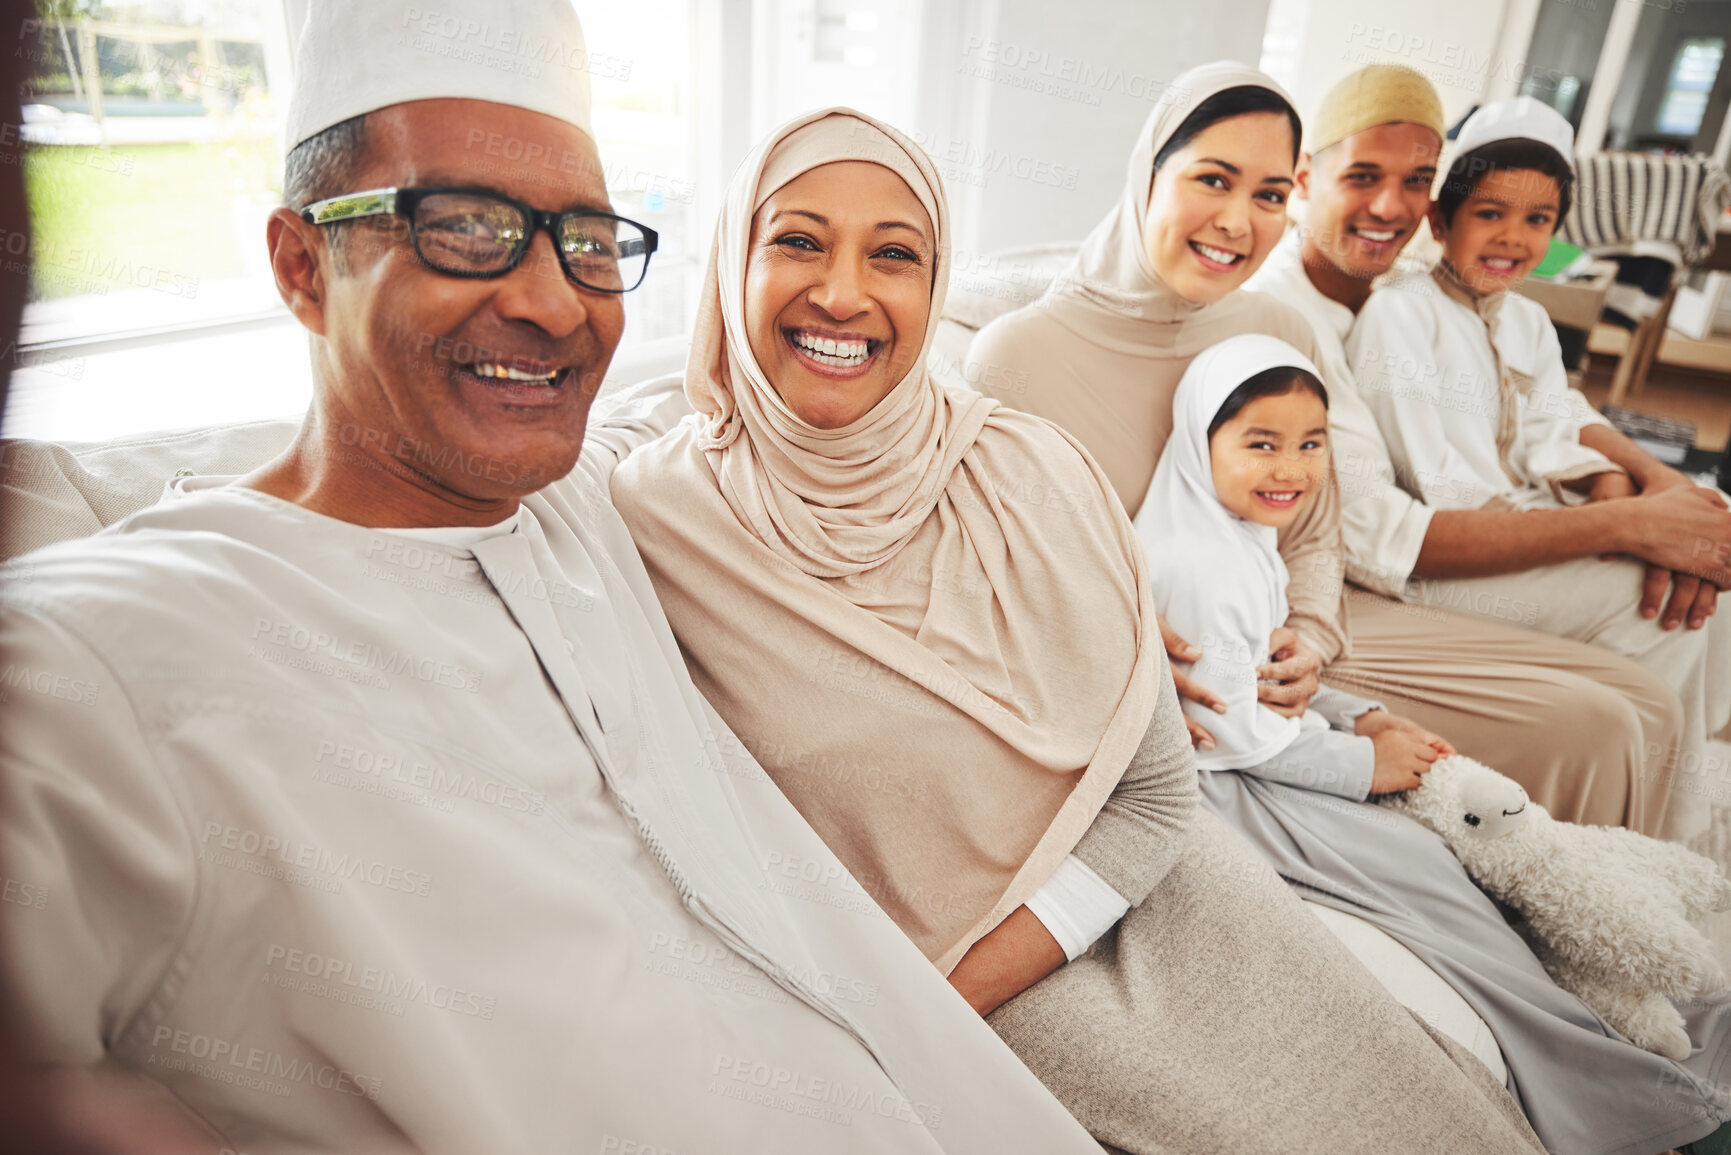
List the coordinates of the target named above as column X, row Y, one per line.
column 1472, row 819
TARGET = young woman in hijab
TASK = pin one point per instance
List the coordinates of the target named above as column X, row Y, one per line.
column 1249, row 448
column 928, row 619
column 1155, row 284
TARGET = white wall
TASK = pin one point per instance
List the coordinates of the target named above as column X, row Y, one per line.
column 1470, row 49
column 1030, row 107
column 860, row 53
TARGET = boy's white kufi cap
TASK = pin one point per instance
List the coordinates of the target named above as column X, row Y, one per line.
column 1519, row 118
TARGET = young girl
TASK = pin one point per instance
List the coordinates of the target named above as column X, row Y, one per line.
column 1249, row 449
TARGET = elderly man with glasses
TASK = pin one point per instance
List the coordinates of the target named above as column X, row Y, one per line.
column 363, row 803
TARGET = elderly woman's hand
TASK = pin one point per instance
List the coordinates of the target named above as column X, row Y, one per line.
column 1180, row 650
column 1292, row 678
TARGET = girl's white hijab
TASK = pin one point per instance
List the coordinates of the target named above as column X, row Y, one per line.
column 831, row 501
column 1233, row 608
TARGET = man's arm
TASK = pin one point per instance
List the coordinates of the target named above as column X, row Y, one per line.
column 624, row 421
column 1131, row 845
column 1674, row 529
column 1691, row 598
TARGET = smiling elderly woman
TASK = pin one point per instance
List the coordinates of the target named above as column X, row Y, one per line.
column 927, row 617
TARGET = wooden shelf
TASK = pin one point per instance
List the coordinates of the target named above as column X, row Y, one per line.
column 1712, row 355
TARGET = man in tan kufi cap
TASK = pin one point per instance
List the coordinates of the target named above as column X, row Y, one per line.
column 1591, row 734
column 363, row 803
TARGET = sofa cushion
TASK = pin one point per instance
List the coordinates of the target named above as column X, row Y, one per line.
column 52, row 492
column 1414, row 985
column 989, row 285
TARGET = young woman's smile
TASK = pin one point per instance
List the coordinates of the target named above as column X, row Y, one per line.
column 833, row 354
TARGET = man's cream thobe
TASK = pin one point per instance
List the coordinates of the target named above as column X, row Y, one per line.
column 362, row 842
column 1588, row 733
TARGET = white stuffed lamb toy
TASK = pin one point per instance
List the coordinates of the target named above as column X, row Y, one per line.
column 1608, row 909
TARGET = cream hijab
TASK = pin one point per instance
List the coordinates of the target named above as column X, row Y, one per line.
column 931, row 627
column 1103, row 350
column 1217, row 578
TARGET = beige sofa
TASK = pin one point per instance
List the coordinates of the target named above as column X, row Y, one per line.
column 52, row 492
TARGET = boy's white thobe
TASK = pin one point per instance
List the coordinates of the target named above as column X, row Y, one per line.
column 1425, row 365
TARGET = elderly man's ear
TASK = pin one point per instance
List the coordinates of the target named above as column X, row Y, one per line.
column 1301, row 178
column 300, row 256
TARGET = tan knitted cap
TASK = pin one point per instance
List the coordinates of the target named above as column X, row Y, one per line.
column 1375, row 94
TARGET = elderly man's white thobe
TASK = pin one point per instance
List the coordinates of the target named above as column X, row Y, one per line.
column 365, row 840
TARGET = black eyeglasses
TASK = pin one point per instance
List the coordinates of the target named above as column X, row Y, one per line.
column 474, row 232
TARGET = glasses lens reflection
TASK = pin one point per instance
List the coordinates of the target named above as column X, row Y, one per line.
column 468, row 233
column 472, row 234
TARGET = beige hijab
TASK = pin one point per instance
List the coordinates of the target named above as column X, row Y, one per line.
column 932, row 627
column 1103, row 350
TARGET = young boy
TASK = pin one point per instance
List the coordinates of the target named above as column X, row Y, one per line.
column 1465, row 378
column 1466, row 382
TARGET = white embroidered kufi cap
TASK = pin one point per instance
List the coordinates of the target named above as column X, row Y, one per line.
column 357, row 56
column 1519, row 118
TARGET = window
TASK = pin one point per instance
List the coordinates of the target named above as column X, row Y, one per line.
column 1693, row 71
column 642, row 80
column 153, row 157
column 152, row 160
